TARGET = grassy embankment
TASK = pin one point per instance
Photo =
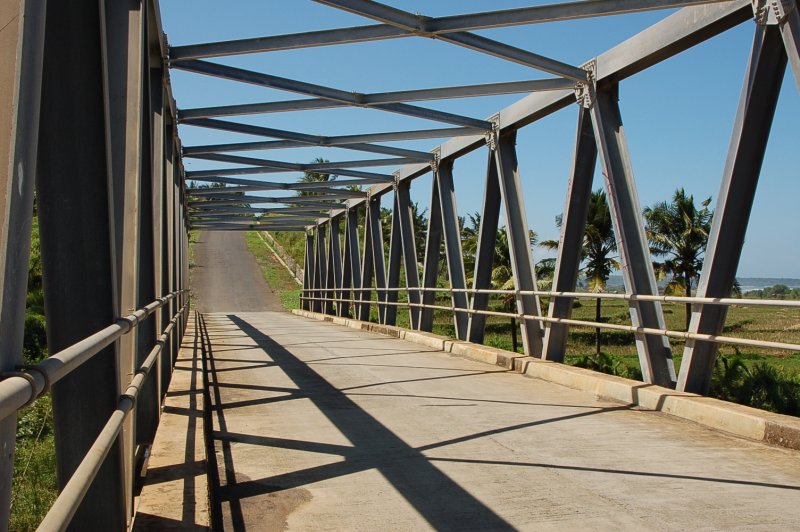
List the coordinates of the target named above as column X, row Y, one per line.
column 765, row 378
column 275, row 273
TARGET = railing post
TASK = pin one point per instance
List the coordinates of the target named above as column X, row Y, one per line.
column 74, row 191
column 570, row 246
column 655, row 356
column 745, row 155
column 21, row 48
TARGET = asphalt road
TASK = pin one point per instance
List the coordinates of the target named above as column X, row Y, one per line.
column 226, row 276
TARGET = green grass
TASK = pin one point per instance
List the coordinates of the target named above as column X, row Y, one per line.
column 277, row 276
column 34, row 485
column 770, row 379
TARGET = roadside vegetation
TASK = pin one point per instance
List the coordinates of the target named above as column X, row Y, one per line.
column 34, row 483
column 677, row 230
column 277, row 276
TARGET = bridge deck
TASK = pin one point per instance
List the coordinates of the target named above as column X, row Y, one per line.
column 322, row 427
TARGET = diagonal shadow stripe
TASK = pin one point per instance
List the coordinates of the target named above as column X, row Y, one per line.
column 440, row 500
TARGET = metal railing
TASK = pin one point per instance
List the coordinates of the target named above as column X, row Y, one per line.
column 682, row 335
column 21, row 388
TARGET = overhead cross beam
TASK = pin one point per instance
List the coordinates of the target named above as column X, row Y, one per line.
column 309, row 89
column 339, row 140
column 432, row 27
column 443, row 93
column 415, row 25
column 301, row 139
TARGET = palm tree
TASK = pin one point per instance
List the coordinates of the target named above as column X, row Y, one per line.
column 678, row 231
column 315, row 177
column 599, row 247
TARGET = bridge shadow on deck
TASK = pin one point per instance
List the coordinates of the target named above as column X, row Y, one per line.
column 438, row 498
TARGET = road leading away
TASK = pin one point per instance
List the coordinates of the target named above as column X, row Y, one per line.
column 226, row 276
column 317, row 426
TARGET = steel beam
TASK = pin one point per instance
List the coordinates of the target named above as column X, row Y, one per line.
column 404, row 211
column 351, row 267
column 431, row 26
column 443, row 93
column 452, row 244
column 333, row 280
column 321, row 268
column 284, row 166
column 751, row 130
column 21, row 50
column 127, row 106
column 317, row 188
column 393, row 275
column 788, row 13
column 659, row 42
column 430, row 268
column 310, row 89
column 373, row 265
column 415, row 24
column 308, row 272
column 570, row 246
column 74, row 196
column 299, row 139
column 393, row 136
column 519, row 242
column 365, row 178
column 484, row 256
column 655, row 355
column 309, row 201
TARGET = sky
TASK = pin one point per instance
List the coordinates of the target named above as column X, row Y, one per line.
column 678, row 115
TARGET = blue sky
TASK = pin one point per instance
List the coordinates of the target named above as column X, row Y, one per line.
column 678, row 115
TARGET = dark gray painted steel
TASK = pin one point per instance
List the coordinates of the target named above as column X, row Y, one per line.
column 746, row 154
column 573, row 225
column 484, row 255
column 655, row 356
column 519, row 243
column 77, row 257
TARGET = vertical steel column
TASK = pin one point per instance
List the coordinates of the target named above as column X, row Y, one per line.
column 404, row 212
column 335, row 266
column 374, row 239
column 393, row 277
column 160, row 230
column 328, row 283
column 519, row 242
column 124, row 69
column 430, row 271
column 484, row 256
column 369, row 268
column 178, row 222
column 308, row 272
column 147, row 405
column 452, row 244
column 168, row 265
column 351, row 275
column 77, row 234
column 21, row 48
column 570, row 247
column 321, row 268
column 655, row 356
column 754, row 117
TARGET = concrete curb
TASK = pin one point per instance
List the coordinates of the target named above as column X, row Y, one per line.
column 739, row 420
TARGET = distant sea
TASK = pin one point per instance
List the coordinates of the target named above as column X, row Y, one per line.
column 748, row 283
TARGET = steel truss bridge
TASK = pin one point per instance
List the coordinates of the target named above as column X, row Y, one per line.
column 90, row 135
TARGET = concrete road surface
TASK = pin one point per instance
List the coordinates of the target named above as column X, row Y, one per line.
column 323, row 427
column 226, row 276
